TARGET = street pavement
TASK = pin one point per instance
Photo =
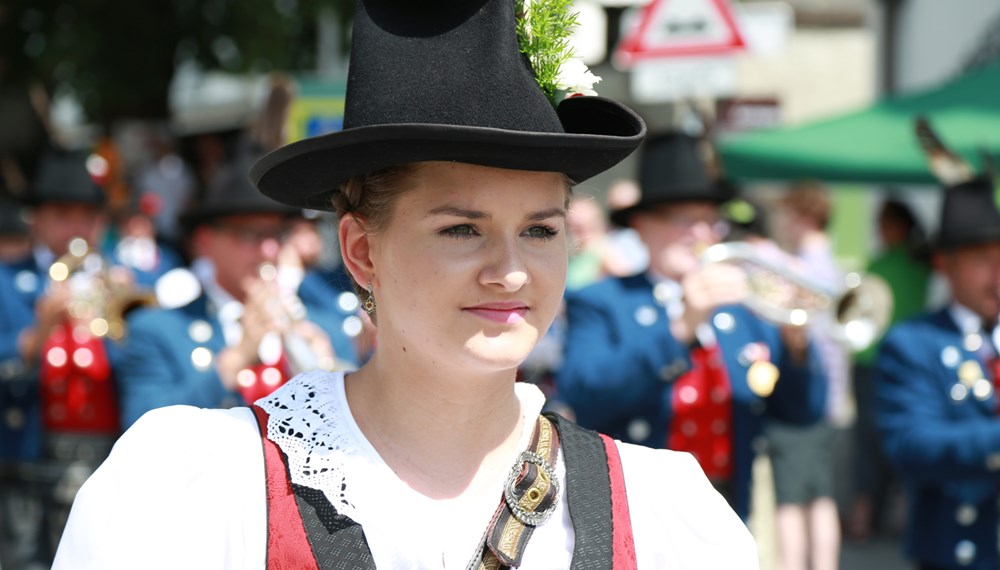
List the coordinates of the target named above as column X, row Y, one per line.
column 882, row 553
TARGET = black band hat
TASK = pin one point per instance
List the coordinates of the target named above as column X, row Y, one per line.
column 671, row 170
column 63, row 177
column 231, row 194
column 445, row 80
column 969, row 215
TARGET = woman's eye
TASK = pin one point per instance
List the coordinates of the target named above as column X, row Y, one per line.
column 460, row 231
column 541, row 232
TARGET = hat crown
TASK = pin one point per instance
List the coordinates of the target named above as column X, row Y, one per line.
column 672, row 164
column 446, row 62
column 231, row 193
column 63, row 177
column 672, row 169
column 969, row 214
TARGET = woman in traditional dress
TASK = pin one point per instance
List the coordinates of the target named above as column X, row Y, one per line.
column 451, row 179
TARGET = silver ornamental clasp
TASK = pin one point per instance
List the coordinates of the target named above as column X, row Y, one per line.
column 510, row 493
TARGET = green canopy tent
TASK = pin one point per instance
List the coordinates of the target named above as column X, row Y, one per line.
column 877, row 145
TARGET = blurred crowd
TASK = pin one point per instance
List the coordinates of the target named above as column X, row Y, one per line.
column 128, row 285
column 698, row 317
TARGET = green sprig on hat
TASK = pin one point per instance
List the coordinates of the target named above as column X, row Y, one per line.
column 543, row 31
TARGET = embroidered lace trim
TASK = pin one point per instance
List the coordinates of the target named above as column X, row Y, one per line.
column 307, row 423
column 309, row 420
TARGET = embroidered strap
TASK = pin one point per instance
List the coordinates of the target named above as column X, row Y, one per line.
column 287, row 544
column 529, row 499
column 600, row 518
column 623, row 544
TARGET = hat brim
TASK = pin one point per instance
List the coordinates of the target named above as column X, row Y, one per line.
column 599, row 134
column 621, row 217
column 198, row 217
column 974, row 236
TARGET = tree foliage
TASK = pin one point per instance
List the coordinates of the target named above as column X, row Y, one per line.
column 119, row 56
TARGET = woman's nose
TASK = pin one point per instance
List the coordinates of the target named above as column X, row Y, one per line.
column 505, row 268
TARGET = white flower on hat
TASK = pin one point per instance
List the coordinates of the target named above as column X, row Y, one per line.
column 575, row 78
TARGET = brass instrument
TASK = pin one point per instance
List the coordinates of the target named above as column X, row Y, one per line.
column 859, row 308
column 289, row 309
column 99, row 298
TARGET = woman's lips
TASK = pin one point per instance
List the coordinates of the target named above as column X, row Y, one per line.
column 507, row 312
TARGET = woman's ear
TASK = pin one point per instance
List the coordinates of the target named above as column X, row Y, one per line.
column 355, row 249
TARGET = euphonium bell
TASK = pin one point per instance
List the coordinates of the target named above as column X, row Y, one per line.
column 856, row 311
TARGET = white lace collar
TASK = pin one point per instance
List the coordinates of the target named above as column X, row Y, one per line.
column 310, row 420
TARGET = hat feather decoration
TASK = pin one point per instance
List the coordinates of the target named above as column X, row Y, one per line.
column 947, row 166
column 991, row 173
column 710, row 154
column 970, row 212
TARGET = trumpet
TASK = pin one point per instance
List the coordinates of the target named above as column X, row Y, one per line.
column 856, row 311
column 100, row 299
column 289, row 310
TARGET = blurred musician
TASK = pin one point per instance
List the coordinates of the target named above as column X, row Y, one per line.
column 936, row 394
column 65, row 203
column 667, row 358
column 221, row 340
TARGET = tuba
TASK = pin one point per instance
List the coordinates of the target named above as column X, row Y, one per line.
column 856, row 311
column 76, row 385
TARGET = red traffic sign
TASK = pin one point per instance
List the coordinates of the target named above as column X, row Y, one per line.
column 679, row 28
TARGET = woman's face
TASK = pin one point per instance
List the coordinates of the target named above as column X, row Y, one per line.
column 471, row 267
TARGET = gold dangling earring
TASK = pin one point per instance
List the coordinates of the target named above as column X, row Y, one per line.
column 369, row 304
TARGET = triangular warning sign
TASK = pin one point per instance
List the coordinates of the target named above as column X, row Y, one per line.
column 675, row 28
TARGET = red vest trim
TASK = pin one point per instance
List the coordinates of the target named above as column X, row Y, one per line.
column 287, row 544
column 623, row 541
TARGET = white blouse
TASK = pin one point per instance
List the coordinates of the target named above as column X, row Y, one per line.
column 184, row 488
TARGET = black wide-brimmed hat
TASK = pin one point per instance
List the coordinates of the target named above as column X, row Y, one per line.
column 445, row 80
column 230, row 194
column 969, row 215
column 671, row 170
column 63, row 177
